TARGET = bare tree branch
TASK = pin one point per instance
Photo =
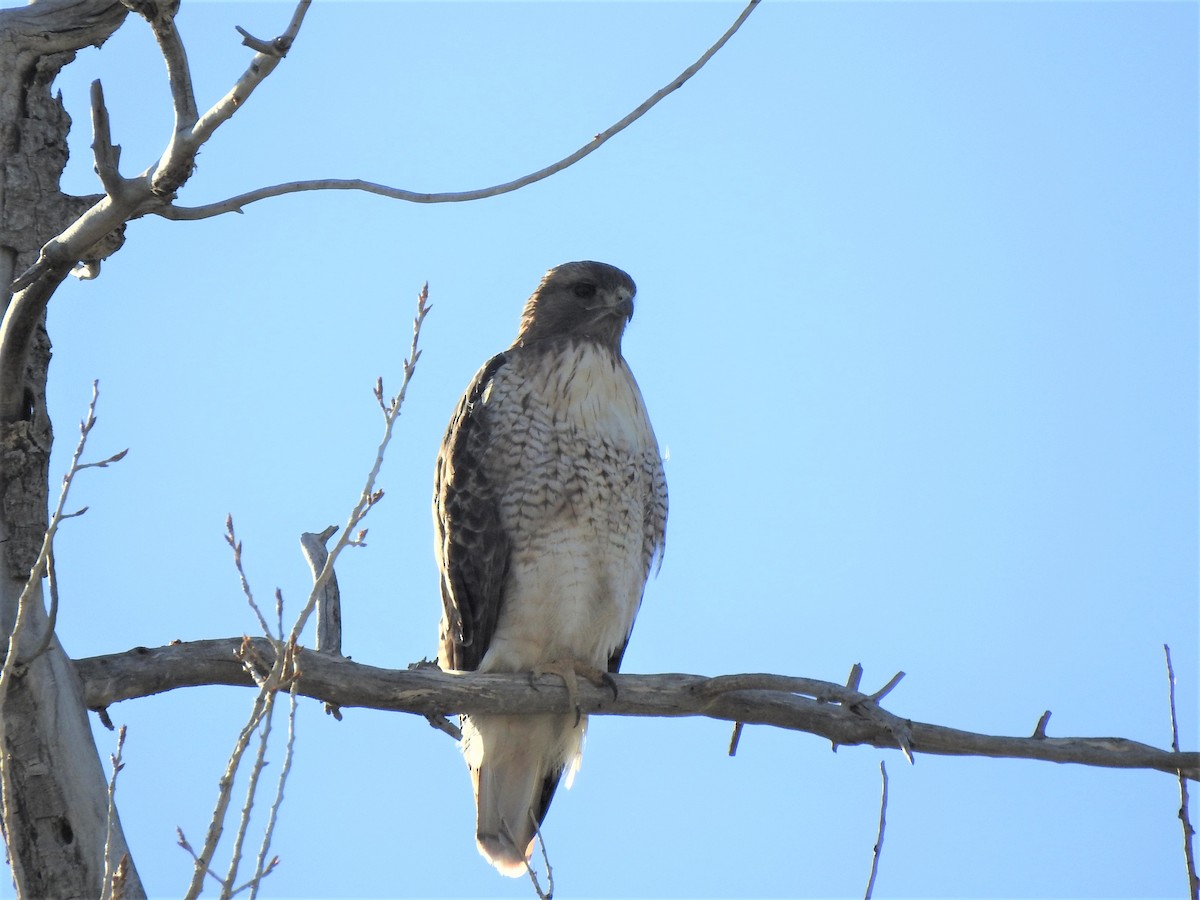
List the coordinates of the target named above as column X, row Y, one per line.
column 32, row 586
column 370, row 496
column 260, row 763
column 546, row 893
column 109, row 887
column 264, row 866
column 88, row 238
column 822, row 708
column 879, row 835
column 263, row 706
column 329, row 604
column 272, row 667
column 238, row 203
column 1188, row 832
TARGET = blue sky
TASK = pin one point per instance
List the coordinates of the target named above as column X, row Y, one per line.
column 917, row 325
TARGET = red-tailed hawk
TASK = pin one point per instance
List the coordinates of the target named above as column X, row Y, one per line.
column 550, row 507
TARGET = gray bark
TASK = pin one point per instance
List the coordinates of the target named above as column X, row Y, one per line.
column 838, row 713
column 58, row 787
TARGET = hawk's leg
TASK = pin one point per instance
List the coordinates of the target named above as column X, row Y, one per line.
column 570, row 670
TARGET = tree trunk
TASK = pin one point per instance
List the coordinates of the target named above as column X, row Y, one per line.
column 58, row 788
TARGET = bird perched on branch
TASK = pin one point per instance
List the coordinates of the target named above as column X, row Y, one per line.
column 550, row 507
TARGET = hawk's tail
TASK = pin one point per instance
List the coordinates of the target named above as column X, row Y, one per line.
column 516, row 763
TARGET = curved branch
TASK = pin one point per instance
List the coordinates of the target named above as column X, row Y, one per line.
column 238, row 203
column 832, row 711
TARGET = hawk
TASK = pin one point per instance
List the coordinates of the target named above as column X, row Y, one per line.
column 550, row 508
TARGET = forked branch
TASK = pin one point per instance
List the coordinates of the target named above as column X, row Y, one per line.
column 97, row 232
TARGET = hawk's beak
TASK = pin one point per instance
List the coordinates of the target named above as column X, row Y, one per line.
column 621, row 304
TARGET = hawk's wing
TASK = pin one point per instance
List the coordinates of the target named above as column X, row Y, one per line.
column 472, row 548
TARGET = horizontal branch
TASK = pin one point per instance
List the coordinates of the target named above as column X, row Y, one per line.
column 832, row 711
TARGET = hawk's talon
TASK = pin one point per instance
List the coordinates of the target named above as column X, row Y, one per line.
column 569, row 671
column 608, row 681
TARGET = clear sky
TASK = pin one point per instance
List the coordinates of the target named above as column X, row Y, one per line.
column 916, row 325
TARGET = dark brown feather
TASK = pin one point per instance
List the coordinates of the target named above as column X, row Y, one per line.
column 473, row 546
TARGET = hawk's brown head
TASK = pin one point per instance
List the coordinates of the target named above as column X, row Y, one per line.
column 581, row 300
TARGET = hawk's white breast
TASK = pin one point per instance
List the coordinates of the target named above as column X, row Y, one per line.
column 579, row 457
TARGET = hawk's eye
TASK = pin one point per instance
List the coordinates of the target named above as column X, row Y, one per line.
column 585, row 290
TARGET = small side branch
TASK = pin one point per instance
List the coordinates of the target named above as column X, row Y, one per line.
column 111, row 887
column 735, row 738
column 351, row 535
column 18, row 642
column 106, row 154
column 262, row 709
column 329, row 604
column 1188, row 832
column 546, row 893
column 1039, row 732
column 879, row 835
column 236, row 546
column 264, row 865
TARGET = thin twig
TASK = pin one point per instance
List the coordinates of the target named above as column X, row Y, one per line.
column 735, row 738
column 29, row 596
column 108, row 886
column 183, row 842
column 263, row 866
column 254, row 882
column 236, row 546
column 548, row 893
column 1188, row 831
column 260, row 762
column 369, row 496
column 283, row 671
column 238, row 203
column 216, row 826
column 879, row 837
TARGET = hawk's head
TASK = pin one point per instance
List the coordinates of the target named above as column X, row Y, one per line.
column 584, row 300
